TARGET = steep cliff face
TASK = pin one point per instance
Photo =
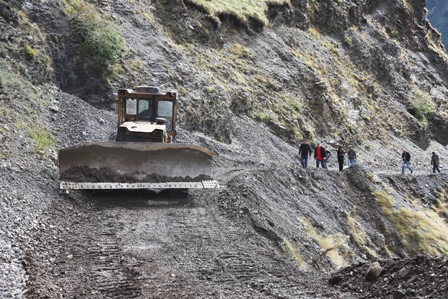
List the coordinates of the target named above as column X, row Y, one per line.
column 343, row 62
column 438, row 16
column 318, row 69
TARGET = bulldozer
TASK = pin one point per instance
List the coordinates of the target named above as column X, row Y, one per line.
column 145, row 154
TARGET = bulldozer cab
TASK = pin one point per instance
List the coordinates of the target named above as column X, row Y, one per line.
column 146, row 115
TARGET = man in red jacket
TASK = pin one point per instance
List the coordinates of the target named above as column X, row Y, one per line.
column 319, row 155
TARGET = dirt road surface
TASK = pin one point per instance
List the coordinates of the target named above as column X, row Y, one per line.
column 146, row 245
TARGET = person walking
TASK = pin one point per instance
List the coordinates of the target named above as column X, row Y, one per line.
column 304, row 152
column 341, row 156
column 327, row 156
column 406, row 161
column 319, row 155
column 351, row 155
column 435, row 162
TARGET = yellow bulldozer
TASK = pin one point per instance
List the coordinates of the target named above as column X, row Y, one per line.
column 144, row 155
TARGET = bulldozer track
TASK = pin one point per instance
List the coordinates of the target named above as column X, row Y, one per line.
column 99, row 263
column 88, row 261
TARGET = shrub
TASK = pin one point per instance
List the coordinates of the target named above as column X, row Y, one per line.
column 29, row 52
column 99, row 39
column 422, row 106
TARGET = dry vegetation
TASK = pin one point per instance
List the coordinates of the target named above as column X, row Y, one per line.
column 335, row 246
column 420, row 229
column 242, row 10
column 293, row 252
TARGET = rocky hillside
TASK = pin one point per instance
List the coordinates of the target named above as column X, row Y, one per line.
column 372, row 74
column 437, row 15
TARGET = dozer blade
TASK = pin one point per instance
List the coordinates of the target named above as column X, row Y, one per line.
column 135, row 165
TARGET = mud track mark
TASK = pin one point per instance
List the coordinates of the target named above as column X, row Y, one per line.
column 88, row 261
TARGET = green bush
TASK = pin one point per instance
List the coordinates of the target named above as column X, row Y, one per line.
column 422, row 106
column 29, row 52
column 99, row 39
column 97, row 36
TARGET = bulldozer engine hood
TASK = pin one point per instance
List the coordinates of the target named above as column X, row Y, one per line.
column 144, row 127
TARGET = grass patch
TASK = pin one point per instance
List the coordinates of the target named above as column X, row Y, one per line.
column 332, row 47
column 441, row 203
column 383, row 199
column 420, row 230
column 357, row 234
column 29, row 51
column 409, row 5
column 330, row 243
column 42, row 139
column 314, row 32
column 294, row 255
column 25, row 116
column 293, row 102
column 240, row 51
column 136, row 65
column 8, row 78
column 242, row 10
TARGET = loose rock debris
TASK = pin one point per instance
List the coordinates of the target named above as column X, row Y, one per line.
column 422, row 276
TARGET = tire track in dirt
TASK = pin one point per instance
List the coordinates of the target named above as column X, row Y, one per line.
column 97, row 260
column 144, row 245
column 86, row 260
column 188, row 249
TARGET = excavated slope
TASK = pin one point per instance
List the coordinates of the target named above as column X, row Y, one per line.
column 344, row 72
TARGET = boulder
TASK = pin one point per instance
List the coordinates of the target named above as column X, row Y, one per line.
column 373, row 272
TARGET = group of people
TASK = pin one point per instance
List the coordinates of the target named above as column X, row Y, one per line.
column 406, row 157
column 321, row 154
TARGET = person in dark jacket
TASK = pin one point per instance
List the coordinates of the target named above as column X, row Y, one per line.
column 435, row 162
column 351, row 155
column 327, row 156
column 341, row 155
column 406, row 161
column 319, row 155
column 304, row 152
